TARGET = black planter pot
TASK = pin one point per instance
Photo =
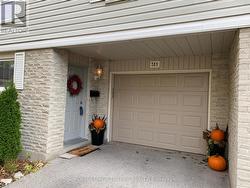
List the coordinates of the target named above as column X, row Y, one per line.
column 97, row 138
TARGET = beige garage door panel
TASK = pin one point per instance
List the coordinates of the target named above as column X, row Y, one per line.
column 167, row 111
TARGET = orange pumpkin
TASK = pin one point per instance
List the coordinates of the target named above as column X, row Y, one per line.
column 98, row 123
column 217, row 134
column 217, row 162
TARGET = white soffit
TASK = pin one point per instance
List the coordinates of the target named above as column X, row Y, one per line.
column 183, row 45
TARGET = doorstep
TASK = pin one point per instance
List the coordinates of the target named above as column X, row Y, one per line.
column 73, row 144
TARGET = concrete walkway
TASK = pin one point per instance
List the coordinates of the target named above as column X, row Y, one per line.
column 119, row 165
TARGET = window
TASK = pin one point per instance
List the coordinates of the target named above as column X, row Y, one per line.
column 6, row 72
column 7, row 12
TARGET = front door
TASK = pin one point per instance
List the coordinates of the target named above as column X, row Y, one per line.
column 74, row 120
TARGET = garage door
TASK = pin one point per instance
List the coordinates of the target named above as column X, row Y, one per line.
column 167, row 110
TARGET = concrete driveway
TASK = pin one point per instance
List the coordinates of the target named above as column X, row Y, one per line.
column 120, row 165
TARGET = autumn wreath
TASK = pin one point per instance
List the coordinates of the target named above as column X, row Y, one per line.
column 74, row 85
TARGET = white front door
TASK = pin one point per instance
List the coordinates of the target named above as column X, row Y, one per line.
column 74, row 121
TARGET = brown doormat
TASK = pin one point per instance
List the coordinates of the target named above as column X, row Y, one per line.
column 83, row 150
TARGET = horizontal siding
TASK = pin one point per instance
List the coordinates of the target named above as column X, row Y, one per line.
column 78, row 60
column 169, row 63
column 61, row 18
column 7, row 56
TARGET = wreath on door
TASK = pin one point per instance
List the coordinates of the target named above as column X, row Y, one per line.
column 74, row 85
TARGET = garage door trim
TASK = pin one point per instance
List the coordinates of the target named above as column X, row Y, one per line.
column 111, row 90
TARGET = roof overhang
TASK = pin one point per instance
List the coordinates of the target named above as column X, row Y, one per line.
column 161, row 31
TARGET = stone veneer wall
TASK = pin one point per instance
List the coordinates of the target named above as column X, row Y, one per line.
column 43, row 102
column 57, row 102
column 239, row 129
column 233, row 112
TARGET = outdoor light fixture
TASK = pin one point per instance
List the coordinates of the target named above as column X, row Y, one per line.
column 98, row 72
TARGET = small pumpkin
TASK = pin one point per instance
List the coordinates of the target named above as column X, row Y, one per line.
column 98, row 123
column 217, row 162
column 217, row 134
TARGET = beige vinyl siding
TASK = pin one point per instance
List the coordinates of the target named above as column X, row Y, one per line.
column 60, row 19
column 168, row 63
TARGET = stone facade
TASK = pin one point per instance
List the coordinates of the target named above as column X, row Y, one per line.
column 233, row 112
column 57, row 102
column 244, row 110
column 43, row 102
column 239, row 129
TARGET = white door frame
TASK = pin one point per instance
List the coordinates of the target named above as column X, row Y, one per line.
column 111, row 90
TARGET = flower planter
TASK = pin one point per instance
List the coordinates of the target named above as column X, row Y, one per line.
column 97, row 128
column 97, row 138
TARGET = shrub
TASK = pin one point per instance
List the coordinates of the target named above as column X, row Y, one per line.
column 10, row 122
column 11, row 166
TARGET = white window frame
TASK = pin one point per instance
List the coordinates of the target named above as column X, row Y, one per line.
column 8, row 5
column 2, row 60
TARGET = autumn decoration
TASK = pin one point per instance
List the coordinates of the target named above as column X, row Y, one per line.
column 74, row 85
column 99, row 123
column 217, row 134
column 97, row 128
column 217, row 162
column 216, row 141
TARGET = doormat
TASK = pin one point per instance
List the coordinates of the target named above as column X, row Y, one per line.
column 83, row 150
column 67, row 156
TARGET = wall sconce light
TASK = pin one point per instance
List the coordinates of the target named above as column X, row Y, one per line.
column 98, row 72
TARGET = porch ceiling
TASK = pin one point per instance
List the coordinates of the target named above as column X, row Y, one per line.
column 184, row 45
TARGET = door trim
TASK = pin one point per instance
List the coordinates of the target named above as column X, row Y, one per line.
column 111, row 89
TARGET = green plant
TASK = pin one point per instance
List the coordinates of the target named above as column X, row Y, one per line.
column 11, row 166
column 10, row 122
column 28, row 168
column 32, row 167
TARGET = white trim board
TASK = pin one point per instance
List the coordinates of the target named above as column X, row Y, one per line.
column 7, row 59
column 160, row 31
column 111, row 87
